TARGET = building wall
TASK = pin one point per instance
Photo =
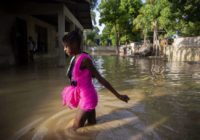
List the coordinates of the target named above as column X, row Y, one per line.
column 51, row 34
column 7, row 50
column 184, row 49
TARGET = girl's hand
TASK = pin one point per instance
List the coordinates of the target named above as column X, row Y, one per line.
column 124, row 98
column 87, row 63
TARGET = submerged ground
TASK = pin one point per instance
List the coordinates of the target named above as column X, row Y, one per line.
column 164, row 105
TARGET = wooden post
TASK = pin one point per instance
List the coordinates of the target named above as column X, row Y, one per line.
column 61, row 31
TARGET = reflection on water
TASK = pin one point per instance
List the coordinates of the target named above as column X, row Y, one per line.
column 165, row 102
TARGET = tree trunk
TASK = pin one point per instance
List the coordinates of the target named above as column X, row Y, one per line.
column 117, row 42
column 117, row 39
column 145, row 37
column 155, row 39
column 145, row 40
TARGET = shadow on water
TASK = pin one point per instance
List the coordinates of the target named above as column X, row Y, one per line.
column 28, row 95
column 164, row 102
column 127, row 121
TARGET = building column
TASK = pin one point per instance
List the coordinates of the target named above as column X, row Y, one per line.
column 61, row 31
column 74, row 22
column 72, row 27
column 83, row 47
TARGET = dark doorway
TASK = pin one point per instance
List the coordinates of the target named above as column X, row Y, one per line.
column 42, row 45
column 21, row 42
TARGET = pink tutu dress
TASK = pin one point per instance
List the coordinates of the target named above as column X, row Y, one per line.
column 83, row 94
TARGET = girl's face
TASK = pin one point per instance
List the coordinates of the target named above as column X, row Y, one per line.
column 69, row 49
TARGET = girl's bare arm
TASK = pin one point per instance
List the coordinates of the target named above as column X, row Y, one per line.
column 87, row 63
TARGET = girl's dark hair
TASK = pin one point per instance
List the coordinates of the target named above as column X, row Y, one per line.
column 72, row 37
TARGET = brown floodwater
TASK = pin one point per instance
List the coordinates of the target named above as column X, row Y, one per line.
column 164, row 101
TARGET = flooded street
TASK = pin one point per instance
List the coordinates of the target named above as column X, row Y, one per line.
column 164, row 102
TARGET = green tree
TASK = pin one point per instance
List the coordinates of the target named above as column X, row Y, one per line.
column 119, row 14
column 130, row 10
column 93, row 4
column 91, row 36
column 154, row 15
column 172, row 16
column 109, row 14
column 106, row 34
column 186, row 16
column 142, row 22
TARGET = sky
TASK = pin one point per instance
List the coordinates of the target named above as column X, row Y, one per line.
column 98, row 17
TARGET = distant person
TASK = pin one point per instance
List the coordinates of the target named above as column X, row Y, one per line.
column 109, row 42
column 31, row 48
column 82, row 93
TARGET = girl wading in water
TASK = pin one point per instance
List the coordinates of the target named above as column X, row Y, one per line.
column 82, row 93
